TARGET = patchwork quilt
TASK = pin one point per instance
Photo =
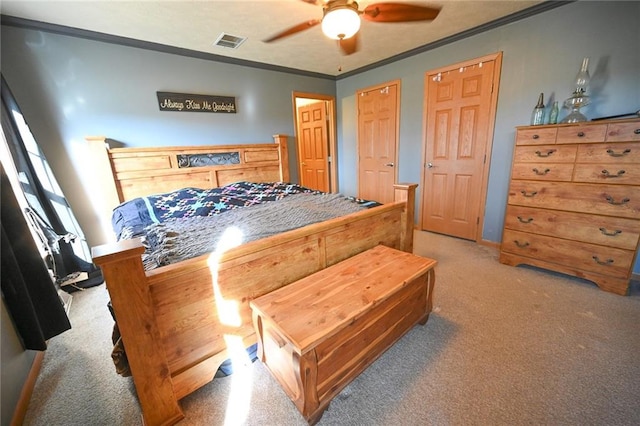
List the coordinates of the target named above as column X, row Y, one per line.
column 130, row 218
column 179, row 239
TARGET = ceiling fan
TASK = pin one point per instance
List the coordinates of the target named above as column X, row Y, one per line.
column 341, row 19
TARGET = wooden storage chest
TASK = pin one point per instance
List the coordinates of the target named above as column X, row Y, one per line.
column 319, row 333
column 574, row 201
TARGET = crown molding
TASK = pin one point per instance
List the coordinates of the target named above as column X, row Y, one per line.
column 130, row 42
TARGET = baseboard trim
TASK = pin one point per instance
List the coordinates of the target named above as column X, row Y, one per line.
column 27, row 390
column 491, row 244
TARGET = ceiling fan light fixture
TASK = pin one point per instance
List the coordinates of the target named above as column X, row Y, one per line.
column 341, row 21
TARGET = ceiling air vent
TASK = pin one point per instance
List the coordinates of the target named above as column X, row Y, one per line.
column 230, row 41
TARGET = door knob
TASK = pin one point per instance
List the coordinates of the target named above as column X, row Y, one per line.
column 430, row 165
column 389, row 164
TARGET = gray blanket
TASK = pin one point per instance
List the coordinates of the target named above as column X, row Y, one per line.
column 180, row 239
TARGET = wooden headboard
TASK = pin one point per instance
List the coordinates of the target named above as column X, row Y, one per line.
column 127, row 173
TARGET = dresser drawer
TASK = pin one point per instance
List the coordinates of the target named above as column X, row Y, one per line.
column 542, row 171
column 536, row 136
column 609, row 261
column 622, row 174
column 609, row 200
column 585, row 133
column 629, row 131
column 601, row 230
column 628, row 152
column 551, row 153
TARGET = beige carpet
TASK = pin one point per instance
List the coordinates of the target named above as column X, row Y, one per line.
column 504, row 346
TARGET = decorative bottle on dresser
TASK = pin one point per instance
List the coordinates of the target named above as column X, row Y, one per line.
column 537, row 117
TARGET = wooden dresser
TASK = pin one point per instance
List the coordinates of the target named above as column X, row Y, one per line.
column 574, row 201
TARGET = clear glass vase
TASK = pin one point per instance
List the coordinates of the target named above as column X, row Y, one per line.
column 579, row 97
column 574, row 103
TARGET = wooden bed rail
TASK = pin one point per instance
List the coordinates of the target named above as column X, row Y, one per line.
column 171, row 319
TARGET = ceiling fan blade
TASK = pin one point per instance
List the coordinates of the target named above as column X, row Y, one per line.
column 293, row 30
column 349, row 45
column 399, row 12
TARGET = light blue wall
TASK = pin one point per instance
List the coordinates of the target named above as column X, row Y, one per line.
column 69, row 88
column 541, row 53
column 16, row 365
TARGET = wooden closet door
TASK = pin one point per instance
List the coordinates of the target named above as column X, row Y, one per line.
column 313, row 146
column 459, row 104
column 377, row 142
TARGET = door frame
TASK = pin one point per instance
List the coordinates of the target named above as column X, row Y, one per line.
column 330, row 102
column 497, row 57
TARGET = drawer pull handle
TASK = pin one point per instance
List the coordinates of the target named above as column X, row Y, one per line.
column 521, row 245
column 545, row 155
column 610, row 233
column 612, row 153
column 602, row 262
column 525, row 220
column 637, row 131
column 580, row 134
column 537, row 137
column 606, row 174
column 610, row 200
column 541, row 173
column 528, row 194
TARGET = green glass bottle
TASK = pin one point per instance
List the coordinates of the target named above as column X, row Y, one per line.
column 553, row 115
column 537, row 117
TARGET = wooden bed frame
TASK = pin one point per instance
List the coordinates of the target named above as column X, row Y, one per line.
column 176, row 321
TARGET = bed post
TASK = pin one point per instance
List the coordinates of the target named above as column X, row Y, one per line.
column 103, row 172
column 406, row 192
column 281, row 140
column 126, row 281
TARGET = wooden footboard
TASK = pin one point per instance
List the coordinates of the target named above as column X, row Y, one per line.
column 178, row 322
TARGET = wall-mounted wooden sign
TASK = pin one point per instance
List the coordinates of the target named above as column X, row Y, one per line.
column 168, row 101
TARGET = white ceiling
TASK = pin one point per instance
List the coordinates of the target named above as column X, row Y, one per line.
column 195, row 25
